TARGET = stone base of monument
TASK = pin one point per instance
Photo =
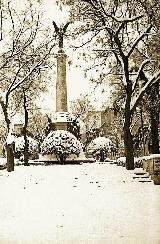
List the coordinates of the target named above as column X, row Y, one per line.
column 61, row 119
column 72, row 159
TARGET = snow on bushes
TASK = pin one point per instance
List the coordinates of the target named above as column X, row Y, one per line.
column 138, row 162
column 3, row 163
column 61, row 143
column 33, row 148
column 100, row 148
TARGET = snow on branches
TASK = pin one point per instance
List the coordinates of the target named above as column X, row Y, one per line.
column 100, row 147
column 61, row 143
column 33, row 148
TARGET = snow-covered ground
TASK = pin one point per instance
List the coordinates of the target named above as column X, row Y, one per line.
column 77, row 204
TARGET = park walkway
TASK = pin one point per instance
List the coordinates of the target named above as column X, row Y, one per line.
column 77, row 204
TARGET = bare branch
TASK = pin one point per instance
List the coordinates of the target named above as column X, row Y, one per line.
column 10, row 13
column 21, row 28
column 13, row 26
column 31, row 37
column 16, row 75
column 30, row 72
column 102, row 7
column 97, row 5
column 127, row 20
column 83, row 44
column 139, row 39
column 153, row 80
column 12, row 52
column 116, row 39
column 1, row 22
column 120, row 28
column 5, row 112
column 145, row 62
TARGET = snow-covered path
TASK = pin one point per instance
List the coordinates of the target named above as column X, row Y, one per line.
column 77, row 204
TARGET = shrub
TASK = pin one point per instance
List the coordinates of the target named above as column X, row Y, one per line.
column 100, row 148
column 33, row 148
column 61, row 143
column 3, row 163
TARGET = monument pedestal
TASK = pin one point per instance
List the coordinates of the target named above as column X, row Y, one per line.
column 61, row 126
column 61, row 119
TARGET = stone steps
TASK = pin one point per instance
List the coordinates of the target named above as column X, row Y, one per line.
column 142, row 176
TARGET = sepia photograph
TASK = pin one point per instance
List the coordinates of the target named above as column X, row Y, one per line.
column 79, row 122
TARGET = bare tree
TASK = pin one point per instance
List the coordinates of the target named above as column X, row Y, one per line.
column 27, row 46
column 123, row 26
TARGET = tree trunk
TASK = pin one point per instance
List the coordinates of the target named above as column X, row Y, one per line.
column 154, row 132
column 9, row 148
column 62, row 159
column 128, row 142
column 5, row 112
column 143, row 135
column 10, row 158
column 154, row 116
column 101, row 156
column 128, row 139
column 26, row 155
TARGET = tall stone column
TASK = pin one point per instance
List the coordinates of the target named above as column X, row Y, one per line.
column 61, row 92
column 61, row 86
